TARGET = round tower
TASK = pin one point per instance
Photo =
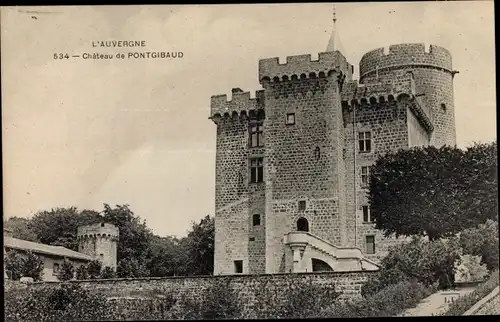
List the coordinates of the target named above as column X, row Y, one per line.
column 433, row 75
column 100, row 242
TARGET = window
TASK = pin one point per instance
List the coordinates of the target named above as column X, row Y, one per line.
column 370, row 244
column 365, row 176
column 256, row 170
column 238, row 267
column 365, row 141
column 55, row 269
column 290, row 119
column 317, row 153
column 256, row 134
column 302, row 224
column 302, row 205
column 256, row 220
column 367, row 217
column 251, row 239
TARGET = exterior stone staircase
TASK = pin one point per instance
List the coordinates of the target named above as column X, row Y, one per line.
column 304, row 247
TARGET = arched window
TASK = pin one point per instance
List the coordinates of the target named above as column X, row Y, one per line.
column 302, row 224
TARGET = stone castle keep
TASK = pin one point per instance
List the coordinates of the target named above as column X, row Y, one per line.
column 293, row 163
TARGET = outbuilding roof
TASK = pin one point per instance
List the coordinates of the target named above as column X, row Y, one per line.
column 15, row 243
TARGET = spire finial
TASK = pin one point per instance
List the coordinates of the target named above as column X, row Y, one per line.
column 334, row 15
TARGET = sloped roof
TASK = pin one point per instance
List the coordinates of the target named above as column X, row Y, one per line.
column 15, row 243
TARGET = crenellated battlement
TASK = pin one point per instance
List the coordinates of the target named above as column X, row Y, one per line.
column 240, row 104
column 390, row 89
column 402, row 55
column 302, row 66
column 103, row 230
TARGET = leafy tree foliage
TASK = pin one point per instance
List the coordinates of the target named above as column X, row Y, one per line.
column 131, row 268
column 67, row 271
column 59, row 226
column 82, row 273
column 107, row 273
column 199, row 245
column 20, row 228
column 166, row 256
column 23, row 264
column 426, row 262
column 434, row 191
column 94, row 269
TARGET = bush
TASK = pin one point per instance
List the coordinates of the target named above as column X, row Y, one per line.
column 23, row 264
column 217, row 301
column 464, row 303
column 426, row 262
column 299, row 299
column 67, row 302
column 391, row 301
column 107, row 273
column 67, row 271
column 482, row 241
column 82, row 273
column 94, row 269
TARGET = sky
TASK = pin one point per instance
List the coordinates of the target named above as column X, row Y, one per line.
column 87, row 132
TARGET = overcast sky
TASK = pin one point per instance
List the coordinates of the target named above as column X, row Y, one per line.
column 83, row 133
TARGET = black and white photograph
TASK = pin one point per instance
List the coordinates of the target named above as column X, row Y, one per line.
column 249, row 161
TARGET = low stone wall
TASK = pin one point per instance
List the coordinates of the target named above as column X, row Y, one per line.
column 489, row 305
column 348, row 283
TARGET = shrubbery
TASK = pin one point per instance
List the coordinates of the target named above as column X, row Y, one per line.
column 67, row 302
column 482, row 241
column 23, row 264
column 300, row 299
column 464, row 303
column 426, row 262
column 390, row 301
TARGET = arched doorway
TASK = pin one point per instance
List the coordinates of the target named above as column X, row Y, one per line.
column 302, row 224
column 320, row 266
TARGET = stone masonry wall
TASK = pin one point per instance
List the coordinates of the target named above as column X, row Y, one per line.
column 302, row 160
column 231, row 195
column 389, row 131
column 349, row 284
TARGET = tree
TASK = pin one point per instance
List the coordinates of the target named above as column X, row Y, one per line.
column 67, row 271
column 24, row 264
column 82, row 273
column 428, row 190
column 59, row 226
column 20, row 228
column 199, row 246
column 134, row 236
column 166, row 257
column 131, row 268
column 94, row 269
